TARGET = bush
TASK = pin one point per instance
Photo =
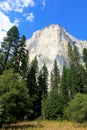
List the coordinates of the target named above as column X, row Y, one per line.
column 14, row 98
column 77, row 109
column 53, row 106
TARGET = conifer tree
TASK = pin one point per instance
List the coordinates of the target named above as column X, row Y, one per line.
column 9, row 46
column 85, row 57
column 63, row 85
column 32, row 85
column 55, row 77
column 24, row 57
column 20, row 59
column 85, row 70
column 43, row 81
column 76, row 70
column 1, row 62
column 32, row 78
column 43, row 85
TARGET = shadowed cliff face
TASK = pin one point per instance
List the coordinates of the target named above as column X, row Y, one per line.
column 51, row 43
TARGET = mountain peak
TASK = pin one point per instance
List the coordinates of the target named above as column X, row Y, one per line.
column 51, row 43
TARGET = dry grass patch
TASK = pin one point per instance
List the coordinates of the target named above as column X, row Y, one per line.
column 44, row 125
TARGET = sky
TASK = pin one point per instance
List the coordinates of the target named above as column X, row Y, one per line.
column 32, row 15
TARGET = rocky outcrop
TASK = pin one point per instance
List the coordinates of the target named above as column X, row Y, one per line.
column 51, row 43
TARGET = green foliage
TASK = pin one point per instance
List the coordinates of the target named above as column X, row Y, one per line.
column 42, row 85
column 66, row 84
column 85, row 56
column 55, row 77
column 20, row 58
column 9, row 46
column 32, row 78
column 23, row 57
column 1, row 62
column 77, row 109
column 77, row 71
column 32, row 85
column 20, row 100
column 43, row 82
column 14, row 52
column 53, row 106
column 15, row 103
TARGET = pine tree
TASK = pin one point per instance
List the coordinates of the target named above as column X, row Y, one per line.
column 63, row 85
column 55, row 77
column 42, row 85
column 76, row 70
column 32, row 85
column 20, row 59
column 24, row 57
column 85, row 73
column 9, row 46
column 1, row 62
column 85, row 57
column 32, row 78
column 43, row 81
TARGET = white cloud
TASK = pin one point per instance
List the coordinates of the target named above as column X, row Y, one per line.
column 43, row 3
column 16, row 22
column 5, row 6
column 5, row 25
column 16, row 5
column 30, row 17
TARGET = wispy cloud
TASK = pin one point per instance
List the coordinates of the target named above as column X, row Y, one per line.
column 16, row 22
column 43, row 3
column 16, row 5
column 30, row 17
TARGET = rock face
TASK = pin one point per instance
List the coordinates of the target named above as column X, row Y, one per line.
column 51, row 43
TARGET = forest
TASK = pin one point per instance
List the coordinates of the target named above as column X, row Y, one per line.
column 24, row 91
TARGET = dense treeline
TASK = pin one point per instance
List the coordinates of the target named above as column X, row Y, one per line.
column 24, row 88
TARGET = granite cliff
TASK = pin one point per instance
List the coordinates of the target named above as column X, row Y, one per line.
column 51, row 43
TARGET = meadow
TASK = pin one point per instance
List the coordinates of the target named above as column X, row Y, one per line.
column 44, row 125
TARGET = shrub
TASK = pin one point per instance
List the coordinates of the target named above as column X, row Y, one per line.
column 77, row 109
column 53, row 106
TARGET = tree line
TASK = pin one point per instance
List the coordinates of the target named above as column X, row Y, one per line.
column 24, row 88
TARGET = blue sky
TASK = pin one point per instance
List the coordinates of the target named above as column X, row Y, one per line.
column 33, row 15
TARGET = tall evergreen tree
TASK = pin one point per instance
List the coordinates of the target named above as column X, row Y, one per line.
column 43, row 81
column 42, row 85
column 85, row 57
column 55, row 77
column 24, row 57
column 9, row 46
column 63, row 85
column 32, row 77
column 85, row 70
column 76, row 69
column 20, row 59
column 1, row 62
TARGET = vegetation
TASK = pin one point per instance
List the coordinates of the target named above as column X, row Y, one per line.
column 53, row 106
column 55, row 77
column 77, row 109
column 15, row 101
column 24, row 91
column 44, row 125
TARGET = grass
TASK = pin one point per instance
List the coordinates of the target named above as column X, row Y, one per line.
column 44, row 125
